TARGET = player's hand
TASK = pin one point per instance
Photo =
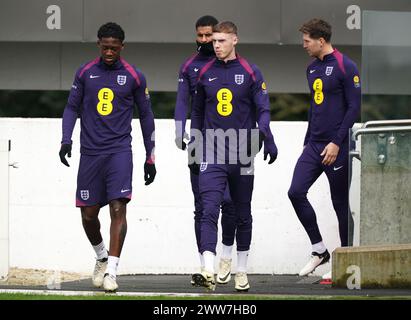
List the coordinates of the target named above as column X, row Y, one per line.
column 65, row 150
column 192, row 160
column 330, row 153
column 179, row 141
column 270, row 149
column 194, row 168
column 261, row 138
column 149, row 172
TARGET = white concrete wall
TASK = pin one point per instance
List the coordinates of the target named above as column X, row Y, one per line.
column 46, row 230
column 4, row 209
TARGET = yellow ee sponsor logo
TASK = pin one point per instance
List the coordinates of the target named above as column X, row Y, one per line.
column 356, row 80
column 105, row 97
column 224, row 106
column 318, row 97
column 318, row 91
column 264, row 88
column 318, row 85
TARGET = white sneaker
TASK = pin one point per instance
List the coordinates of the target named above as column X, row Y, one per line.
column 110, row 284
column 224, row 271
column 241, row 281
column 204, row 279
column 328, row 275
column 99, row 270
column 316, row 260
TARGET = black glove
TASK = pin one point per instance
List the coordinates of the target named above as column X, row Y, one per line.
column 65, row 150
column 194, row 168
column 179, row 140
column 180, row 143
column 149, row 172
column 192, row 161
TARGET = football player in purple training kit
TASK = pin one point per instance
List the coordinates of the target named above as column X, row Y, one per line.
column 335, row 88
column 103, row 96
column 187, row 81
column 230, row 99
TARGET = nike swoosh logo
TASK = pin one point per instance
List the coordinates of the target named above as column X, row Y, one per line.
column 243, row 286
column 338, row 168
column 92, row 77
column 212, row 79
column 195, row 69
column 226, row 276
column 311, row 71
column 124, row 190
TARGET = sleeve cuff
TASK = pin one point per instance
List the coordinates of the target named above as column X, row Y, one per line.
column 337, row 142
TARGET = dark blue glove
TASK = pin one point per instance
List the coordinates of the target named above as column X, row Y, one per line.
column 261, row 138
column 270, row 149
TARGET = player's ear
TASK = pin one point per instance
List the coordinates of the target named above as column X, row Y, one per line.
column 235, row 39
column 98, row 43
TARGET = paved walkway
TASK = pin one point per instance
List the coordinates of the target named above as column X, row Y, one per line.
column 260, row 284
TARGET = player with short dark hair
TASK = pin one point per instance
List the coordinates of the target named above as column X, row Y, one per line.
column 103, row 96
column 335, row 89
column 206, row 21
column 316, row 29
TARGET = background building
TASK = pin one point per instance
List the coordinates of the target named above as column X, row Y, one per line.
column 45, row 41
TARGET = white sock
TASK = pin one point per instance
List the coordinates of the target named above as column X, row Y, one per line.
column 242, row 258
column 101, row 251
column 112, row 265
column 209, row 261
column 201, row 260
column 319, row 247
column 226, row 253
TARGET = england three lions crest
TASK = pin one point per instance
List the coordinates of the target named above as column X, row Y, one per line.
column 203, row 166
column 84, row 194
column 239, row 78
column 329, row 70
column 121, row 80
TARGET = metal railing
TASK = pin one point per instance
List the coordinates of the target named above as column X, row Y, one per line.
column 382, row 127
column 380, row 130
column 379, row 123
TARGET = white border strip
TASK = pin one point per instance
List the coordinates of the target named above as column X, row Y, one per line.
column 102, row 293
